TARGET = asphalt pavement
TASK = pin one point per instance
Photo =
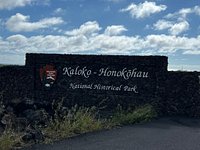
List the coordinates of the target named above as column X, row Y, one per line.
column 162, row 134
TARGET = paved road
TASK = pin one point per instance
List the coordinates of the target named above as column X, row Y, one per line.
column 162, row 134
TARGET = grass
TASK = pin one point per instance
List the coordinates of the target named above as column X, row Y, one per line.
column 141, row 114
column 76, row 121
column 80, row 120
column 9, row 139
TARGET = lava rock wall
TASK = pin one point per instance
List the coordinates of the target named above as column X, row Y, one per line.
column 182, row 94
column 130, row 81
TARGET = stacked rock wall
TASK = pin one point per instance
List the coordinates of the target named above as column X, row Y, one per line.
column 171, row 93
column 182, row 94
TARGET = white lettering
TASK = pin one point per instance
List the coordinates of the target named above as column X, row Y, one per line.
column 126, row 74
column 69, row 71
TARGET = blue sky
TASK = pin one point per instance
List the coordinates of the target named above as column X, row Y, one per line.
column 127, row 27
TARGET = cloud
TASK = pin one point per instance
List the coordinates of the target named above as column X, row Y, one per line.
column 58, row 11
column 10, row 4
column 197, row 10
column 143, row 10
column 173, row 28
column 184, row 67
column 178, row 22
column 116, row 44
column 21, row 23
column 179, row 28
column 115, row 30
column 88, row 38
column 88, row 29
column 171, row 44
column 162, row 25
column 183, row 13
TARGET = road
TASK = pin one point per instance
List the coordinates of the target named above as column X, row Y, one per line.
column 161, row 134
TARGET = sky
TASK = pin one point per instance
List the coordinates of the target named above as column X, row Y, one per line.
column 111, row 27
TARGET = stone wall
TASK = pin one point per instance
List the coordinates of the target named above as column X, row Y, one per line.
column 172, row 93
column 16, row 86
column 182, row 94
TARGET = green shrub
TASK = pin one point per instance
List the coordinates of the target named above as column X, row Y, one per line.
column 85, row 120
column 142, row 114
column 58, row 129
column 9, row 139
column 76, row 121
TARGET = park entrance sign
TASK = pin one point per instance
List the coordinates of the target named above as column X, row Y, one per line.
column 104, row 81
column 91, row 79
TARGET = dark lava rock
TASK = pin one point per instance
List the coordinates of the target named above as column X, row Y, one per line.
column 33, row 135
column 36, row 116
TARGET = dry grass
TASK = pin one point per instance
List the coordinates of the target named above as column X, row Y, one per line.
column 79, row 120
column 76, row 121
column 9, row 139
column 142, row 114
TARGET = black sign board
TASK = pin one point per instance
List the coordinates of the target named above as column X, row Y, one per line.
column 133, row 76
